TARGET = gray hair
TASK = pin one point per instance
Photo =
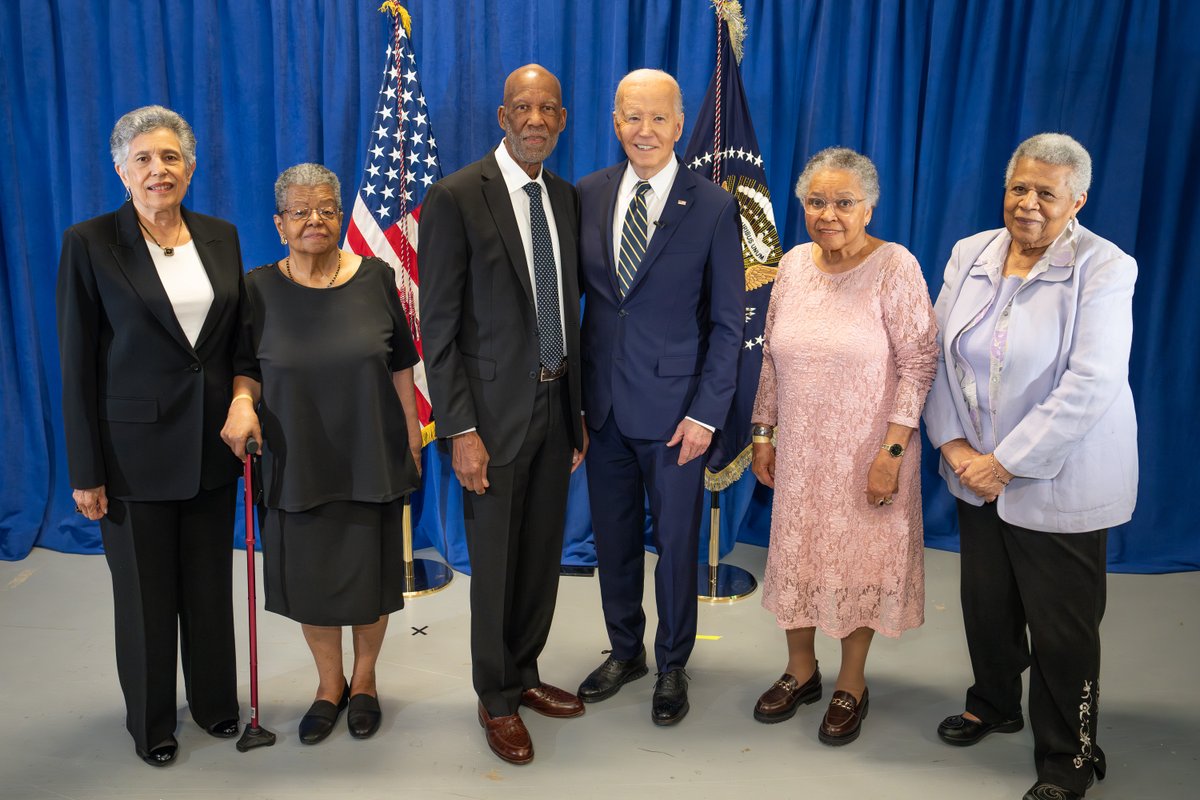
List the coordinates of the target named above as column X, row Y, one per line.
column 640, row 75
column 846, row 159
column 1060, row 150
column 306, row 175
column 146, row 119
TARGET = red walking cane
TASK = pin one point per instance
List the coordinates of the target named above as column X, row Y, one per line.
column 254, row 735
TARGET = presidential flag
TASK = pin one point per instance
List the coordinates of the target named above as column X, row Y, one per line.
column 724, row 149
column 401, row 164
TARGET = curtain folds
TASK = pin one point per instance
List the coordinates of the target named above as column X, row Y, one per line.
column 937, row 92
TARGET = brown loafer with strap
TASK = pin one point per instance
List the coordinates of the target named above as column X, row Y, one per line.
column 780, row 702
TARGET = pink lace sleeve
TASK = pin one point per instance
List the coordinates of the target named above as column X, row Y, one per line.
column 912, row 331
column 766, row 401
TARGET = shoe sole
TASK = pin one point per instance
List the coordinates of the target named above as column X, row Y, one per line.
column 1011, row 727
column 784, row 716
column 641, row 672
column 675, row 720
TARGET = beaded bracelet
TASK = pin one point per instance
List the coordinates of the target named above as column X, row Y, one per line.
column 996, row 472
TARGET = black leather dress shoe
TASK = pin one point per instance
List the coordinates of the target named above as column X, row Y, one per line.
column 225, row 729
column 962, row 732
column 320, row 718
column 608, row 678
column 670, row 702
column 162, row 755
column 364, row 716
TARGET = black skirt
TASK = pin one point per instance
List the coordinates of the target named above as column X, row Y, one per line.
column 339, row 563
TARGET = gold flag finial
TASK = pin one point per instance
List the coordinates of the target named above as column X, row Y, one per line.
column 735, row 21
column 395, row 9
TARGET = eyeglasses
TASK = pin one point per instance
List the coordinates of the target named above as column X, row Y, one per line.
column 842, row 205
column 327, row 214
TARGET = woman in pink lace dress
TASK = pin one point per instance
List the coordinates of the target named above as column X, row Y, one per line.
column 849, row 356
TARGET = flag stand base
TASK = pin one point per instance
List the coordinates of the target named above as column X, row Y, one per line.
column 422, row 576
column 717, row 582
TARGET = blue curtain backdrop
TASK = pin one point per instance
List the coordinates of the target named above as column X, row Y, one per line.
column 938, row 92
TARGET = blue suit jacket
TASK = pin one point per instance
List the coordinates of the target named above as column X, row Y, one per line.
column 669, row 348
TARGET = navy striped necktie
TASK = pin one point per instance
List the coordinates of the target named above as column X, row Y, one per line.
column 633, row 237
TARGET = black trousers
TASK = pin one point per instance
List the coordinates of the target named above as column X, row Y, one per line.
column 172, row 569
column 514, row 540
column 1052, row 584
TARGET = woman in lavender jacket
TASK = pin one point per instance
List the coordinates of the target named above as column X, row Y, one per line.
column 1033, row 415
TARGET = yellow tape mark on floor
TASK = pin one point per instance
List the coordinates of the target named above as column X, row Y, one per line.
column 22, row 576
column 708, row 638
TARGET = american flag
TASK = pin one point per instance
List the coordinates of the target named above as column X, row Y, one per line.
column 401, row 164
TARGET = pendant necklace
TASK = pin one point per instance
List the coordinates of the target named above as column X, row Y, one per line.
column 167, row 251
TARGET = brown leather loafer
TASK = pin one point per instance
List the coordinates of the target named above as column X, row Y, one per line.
column 507, row 736
column 551, row 701
column 780, row 702
column 843, row 718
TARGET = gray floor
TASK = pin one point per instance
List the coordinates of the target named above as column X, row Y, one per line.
column 62, row 733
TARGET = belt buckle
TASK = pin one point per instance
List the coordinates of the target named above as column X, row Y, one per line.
column 546, row 374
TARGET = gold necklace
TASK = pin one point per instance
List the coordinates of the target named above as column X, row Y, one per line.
column 287, row 265
column 167, row 251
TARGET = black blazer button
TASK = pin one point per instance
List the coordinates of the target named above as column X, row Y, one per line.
column 195, row 367
column 533, row 375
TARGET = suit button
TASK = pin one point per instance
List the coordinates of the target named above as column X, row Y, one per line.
column 622, row 313
column 195, row 367
column 533, row 375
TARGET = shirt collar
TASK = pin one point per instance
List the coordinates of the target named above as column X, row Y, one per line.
column 514, row 176
column 1060, row 253
column 660, row 183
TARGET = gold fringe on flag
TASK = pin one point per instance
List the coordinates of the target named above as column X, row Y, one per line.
column 395, row 9
column 735, row 21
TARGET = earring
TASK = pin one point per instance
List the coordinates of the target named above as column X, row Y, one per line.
column 282, row 239
column 127, row 194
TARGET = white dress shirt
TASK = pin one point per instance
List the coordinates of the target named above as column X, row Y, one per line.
column 656, row 201
column 515, row 179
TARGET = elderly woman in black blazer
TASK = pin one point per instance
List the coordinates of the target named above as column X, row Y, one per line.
column 147, row 307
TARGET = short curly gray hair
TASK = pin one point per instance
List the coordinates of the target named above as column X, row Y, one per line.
column 1060, row 150
column 846, row 159
column 306, row 175
column 146, row 119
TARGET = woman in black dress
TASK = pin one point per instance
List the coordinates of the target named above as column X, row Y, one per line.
column 325, row 358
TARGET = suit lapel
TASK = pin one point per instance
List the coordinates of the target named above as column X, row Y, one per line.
column 679, row 202
column 495, row 192
column 612, row 187
column 133, row 257
column 210, row 248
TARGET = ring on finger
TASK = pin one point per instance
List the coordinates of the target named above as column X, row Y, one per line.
column 887, row 501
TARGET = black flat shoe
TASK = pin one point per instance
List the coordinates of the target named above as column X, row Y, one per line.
column 608, row 678
column 225, row 729
column 1050, row 791
column 320, row 718
column 962, row 732
column 670, row 703
column 160, row 756
column 364, row 716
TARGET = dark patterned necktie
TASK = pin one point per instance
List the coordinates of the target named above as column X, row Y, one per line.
column 633, row 237
column 545, row 279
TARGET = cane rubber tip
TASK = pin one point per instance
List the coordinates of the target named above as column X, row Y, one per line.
column 255, row 737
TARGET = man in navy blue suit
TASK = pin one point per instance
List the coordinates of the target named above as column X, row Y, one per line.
column 661, row 268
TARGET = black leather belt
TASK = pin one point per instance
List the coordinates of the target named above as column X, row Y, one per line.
column 546, row 374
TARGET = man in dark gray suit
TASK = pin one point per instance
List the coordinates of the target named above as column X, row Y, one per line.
column 500, row 326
